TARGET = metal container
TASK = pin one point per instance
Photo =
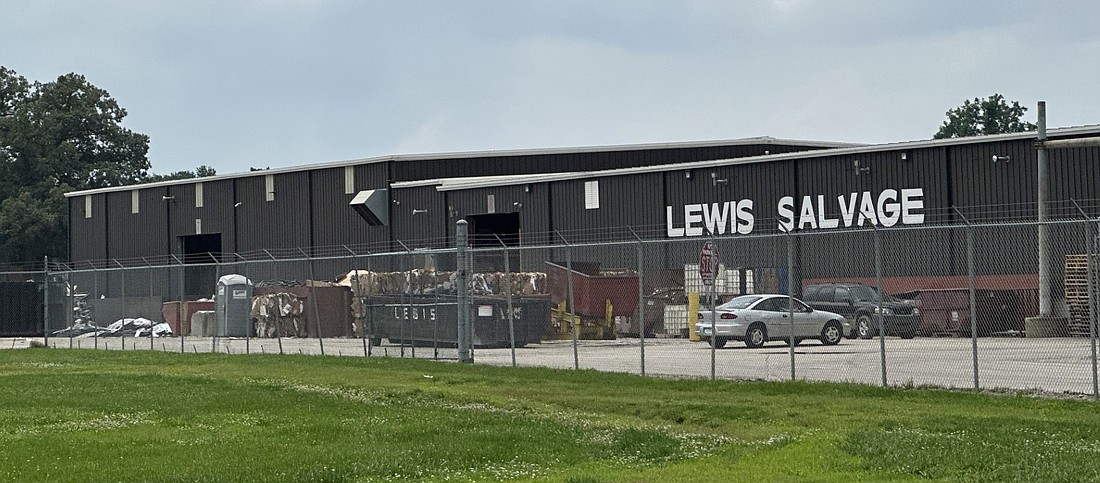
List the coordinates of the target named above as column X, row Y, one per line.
column 178, row 314
column 946, row 312
column 22, row 305
column 593, row 287
column 428, row 320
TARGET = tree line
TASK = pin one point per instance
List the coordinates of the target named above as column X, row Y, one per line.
column 57, row 137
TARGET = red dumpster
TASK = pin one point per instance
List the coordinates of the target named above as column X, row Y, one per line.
column 593, row 286
column 946, row 312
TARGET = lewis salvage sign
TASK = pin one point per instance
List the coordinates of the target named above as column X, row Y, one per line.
column 885, row 208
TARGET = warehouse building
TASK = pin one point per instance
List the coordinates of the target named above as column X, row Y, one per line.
column 308, row 207
column 744, row 189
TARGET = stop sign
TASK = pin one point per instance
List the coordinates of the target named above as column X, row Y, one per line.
column 708, row 263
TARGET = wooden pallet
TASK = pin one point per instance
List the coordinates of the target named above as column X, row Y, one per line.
column 1078, row 269
column 1078, row 319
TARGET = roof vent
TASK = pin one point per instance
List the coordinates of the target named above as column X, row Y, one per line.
column 373, row 206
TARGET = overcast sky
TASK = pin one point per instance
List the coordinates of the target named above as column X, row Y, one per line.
column 273, row 83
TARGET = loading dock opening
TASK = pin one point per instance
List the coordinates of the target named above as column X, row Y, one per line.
column 490, row 230
column 201, row 251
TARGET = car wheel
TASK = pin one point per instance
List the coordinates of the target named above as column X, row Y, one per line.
column 831, row 333
column 718, row 342
column 756, row 336
column 865, row 327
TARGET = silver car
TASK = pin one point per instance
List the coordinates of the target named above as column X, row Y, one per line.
column 759, row 318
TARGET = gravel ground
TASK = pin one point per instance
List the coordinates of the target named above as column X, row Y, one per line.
column 1054, row 365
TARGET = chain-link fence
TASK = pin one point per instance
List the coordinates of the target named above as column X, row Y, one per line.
column 950, row 306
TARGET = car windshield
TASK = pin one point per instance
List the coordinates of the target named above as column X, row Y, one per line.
column 868, row 294
column 740, row 302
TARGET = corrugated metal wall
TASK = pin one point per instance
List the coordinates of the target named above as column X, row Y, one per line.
column 419, row 217
column 624, row 201
column 134, row 235
column 762, row 183
column 335, row 222
column 413, row 170
column 531, row 201
column 278, row 224
column 88, row 236
column 216, row 215
column 310, row 207
column 980, row 182
column 1078, row 176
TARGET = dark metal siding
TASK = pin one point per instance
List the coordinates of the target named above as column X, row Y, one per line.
column 1075, row 175
column 980, row 183
column 424, row 229
column 625, row 201
column 530, row 201
column 763, row 183
column 846, row 254
column 279, row 224
column 217, row 213
column 133, row 236
column 578, row 161
column 335, row 224
column 88, row 236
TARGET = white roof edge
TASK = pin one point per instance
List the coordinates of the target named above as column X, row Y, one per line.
column 474, row 183
column 832, row 148
column 469, row 154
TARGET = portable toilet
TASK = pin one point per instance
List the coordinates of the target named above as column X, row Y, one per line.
column 232, row 305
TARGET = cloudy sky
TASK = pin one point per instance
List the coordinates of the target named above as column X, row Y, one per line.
column 273, row 83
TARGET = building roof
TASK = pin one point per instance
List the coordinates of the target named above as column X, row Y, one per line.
column 763, row 140
column 490, row 181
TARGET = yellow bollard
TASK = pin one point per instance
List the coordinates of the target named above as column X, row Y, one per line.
column 693, row 315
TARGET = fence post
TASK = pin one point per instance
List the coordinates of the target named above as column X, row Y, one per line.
column 46, row 300
column 641, row 301
column 313, row 295
column 572, row 310
column 243, row 263
column 95, row 293
column 278, row 320
column 973, row 301
column 1090, row 270
column 511, row 318
column 406, row 326
column 1090, row 274
column 182, row 312
column 149, row 267
column 368, row 324
column 790, row 293
column 713, row 269
column 70, row 292
column 435, row 306
column 878, row 314
column 217, row 326
column 122, row 273
column 461, row 233
column 356, row 291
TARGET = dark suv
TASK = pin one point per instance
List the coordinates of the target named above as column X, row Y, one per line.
column 859, row 304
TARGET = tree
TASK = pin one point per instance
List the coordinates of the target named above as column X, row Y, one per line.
column 199, row 172
column 56, row 137
column 992, row 115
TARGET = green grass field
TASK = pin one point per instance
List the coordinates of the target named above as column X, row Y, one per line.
column 82, row 415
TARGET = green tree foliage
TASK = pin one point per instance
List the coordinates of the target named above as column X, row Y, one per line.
column 57, row 137
column 199, row 172
column 992, row 115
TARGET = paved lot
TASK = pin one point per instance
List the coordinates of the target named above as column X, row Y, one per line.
column 1050, row 365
